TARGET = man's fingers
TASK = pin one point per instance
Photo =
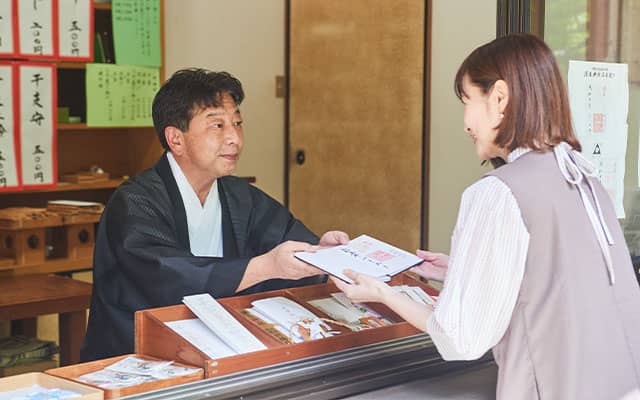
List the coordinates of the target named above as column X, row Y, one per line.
column 308, row 269
column 312, row 249
column 299, row 246
column 334, row 238
column 341, row 237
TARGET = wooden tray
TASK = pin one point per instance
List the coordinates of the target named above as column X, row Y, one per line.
column 71, row 372
column 154, row 338
column 25, row 380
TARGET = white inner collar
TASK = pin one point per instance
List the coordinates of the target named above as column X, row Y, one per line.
column 204, row 221
column 515, row 154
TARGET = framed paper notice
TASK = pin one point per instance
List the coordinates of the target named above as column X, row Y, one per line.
column 120, row 95
column 10, row 178
column 37, row 28
column 8, row 28
column 136, row 32
column 37, row 85
column 75, row 30
column 599, row 99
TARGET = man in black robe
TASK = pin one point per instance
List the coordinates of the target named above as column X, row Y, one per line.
column 148, row 233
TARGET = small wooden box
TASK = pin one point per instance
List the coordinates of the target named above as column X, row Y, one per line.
column 22, row 234
column 80, row 240
column 154, row 338
column 71, row 372
column 25, row 246
column 25, row 380
column 31, row 237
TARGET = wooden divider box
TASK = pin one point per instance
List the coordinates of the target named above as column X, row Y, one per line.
column 16, row 382
column 36, row 236
column 72, row 372
column 22, row 234
column 154, row 338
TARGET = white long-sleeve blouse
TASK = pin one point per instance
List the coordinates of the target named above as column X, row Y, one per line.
column 486, row 266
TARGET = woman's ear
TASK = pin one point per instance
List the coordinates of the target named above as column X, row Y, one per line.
column 501, row 91
column 175, row 140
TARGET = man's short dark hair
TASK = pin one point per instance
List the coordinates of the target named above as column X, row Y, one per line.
column 189, row 91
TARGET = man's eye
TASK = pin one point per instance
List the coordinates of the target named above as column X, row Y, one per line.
column 217, row 126
column 237, row 123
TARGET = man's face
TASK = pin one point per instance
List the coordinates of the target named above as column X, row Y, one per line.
column 214, row 140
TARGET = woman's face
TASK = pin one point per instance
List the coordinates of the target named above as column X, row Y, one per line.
column 482, row 117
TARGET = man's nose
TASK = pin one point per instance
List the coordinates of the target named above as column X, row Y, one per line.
column 232, row 134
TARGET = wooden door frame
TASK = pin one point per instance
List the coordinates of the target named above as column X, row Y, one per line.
column 426, row 119
column 520, row 16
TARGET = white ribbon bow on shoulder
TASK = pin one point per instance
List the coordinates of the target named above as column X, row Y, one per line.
column 576, row 169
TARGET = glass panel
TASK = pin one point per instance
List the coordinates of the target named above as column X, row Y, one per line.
column 605, row 30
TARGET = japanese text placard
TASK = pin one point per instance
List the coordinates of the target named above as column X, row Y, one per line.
column 9, row 155
column 36, row 28
column 7, row 28
column 75, row 30
column 38, row 124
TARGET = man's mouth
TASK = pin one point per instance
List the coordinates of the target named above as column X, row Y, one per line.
column 231, row 157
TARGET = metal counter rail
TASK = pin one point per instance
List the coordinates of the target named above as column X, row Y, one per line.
column 329, row 376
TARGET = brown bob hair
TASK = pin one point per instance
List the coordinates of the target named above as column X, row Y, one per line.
column 537, row 115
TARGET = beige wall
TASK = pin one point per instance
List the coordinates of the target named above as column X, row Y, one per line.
column 246, row 38
column 458, row 26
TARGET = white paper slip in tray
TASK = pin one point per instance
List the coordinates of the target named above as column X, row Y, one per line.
column 223, row 324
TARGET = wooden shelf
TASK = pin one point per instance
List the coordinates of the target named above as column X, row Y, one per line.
column 102, row 6
column 71, row 65
column 69, row 187
column 50, row 267
column 120, row 150
column 81, row 126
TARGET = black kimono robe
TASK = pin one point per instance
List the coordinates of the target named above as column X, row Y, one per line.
column 142, row 256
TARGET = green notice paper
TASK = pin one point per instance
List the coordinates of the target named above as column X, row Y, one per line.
column 120, row 95
column 136, row 32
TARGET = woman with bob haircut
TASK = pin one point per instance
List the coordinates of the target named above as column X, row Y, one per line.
column 539, row 270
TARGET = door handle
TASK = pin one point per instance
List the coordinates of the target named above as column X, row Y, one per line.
column 300, row 157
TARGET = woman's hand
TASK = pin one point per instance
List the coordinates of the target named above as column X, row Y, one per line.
column 363, row 289
column 368, row 289
column 434, row 267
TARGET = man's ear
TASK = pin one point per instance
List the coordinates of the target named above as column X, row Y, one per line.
column 175, row 139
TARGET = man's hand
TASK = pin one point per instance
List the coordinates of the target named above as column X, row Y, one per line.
column 279, row 262
column 434, row 267
column 333, row 238
column 284, row 265
column 363, row 289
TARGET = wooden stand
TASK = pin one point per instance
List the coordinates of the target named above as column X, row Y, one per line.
column 24, row 298
column 154, row 338
column 74, row 371
column 35, row 237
